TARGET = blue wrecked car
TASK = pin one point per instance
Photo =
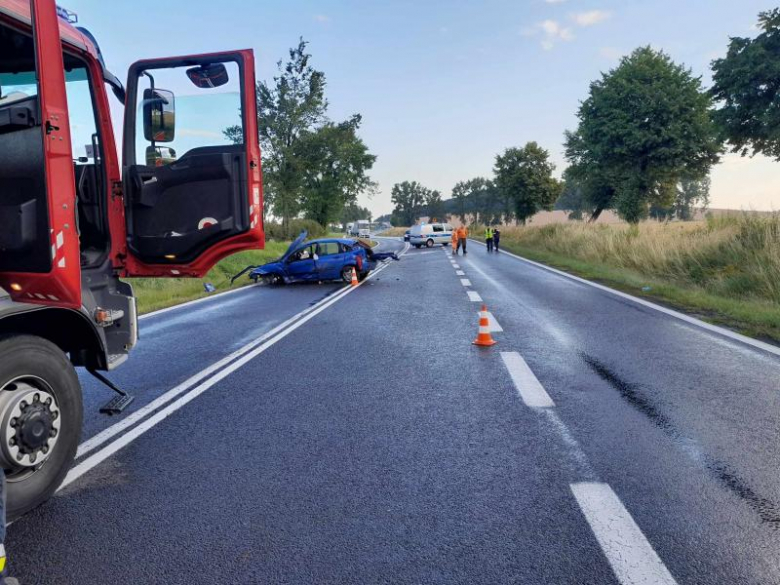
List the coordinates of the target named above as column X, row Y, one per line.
column 318, row 260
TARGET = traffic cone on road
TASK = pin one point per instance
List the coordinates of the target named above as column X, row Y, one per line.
column 354, row 277
column 483, row 338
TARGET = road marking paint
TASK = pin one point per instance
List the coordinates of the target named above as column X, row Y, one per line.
column 493, row 325
column 628, row 552
column 110, row 432
column 465, row 282
column 460, row 273
column 161, row 400
column 455, row 265
column 671, row 312
column 124, row 440
column 474, row 296
column 528, row 386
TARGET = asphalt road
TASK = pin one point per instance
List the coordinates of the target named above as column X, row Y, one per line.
column 322, row 434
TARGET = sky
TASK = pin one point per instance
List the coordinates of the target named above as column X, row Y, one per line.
column 444, row 86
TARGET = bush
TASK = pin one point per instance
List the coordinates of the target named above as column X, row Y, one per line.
column 276, row 231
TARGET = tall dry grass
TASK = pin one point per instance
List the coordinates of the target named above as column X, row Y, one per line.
column 736, row 256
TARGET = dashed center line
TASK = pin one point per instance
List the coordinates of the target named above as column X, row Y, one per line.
column 460, row 273
column 628, row 552
column 528, row 386
column 465, row 282
column 454, row 265
column 474, row 296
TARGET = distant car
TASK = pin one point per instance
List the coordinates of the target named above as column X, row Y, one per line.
column 364, row 233
column 316, row 260
column 407, row 233
column 429, row 234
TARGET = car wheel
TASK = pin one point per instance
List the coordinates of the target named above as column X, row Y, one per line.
column 346, row 273
column 445, row 244
column 40, row 420
column 418, row 246
column 429, row 244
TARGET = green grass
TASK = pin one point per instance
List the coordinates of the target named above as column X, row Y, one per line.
column 720, row 277
column 158, row 293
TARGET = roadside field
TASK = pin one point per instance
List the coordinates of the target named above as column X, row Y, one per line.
column 725, row 270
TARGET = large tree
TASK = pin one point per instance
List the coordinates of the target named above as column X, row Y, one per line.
column 334, row 163
column 645, row 125
column 434, row 205
column 408, row 198
column 747, row 85
column 310, row 164
column 524, row 177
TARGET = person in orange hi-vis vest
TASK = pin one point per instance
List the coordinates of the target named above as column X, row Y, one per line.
column 454, row 241
column 463, row 234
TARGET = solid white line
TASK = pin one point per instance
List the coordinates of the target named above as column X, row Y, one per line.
column 492, row 323
column 630, row 555
column 460, row 273
column 130, row 436
column 474, row 296
column 110, row 432
column 528, row 386
column 161, row 400
column 465, row 282
column 671, row 312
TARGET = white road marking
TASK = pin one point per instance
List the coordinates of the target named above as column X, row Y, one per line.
column 773, row 349
column 455, row 265
column 460, row 273
column 630, row 555
column 196, row 301
column 275, row 335
column 492, row 323
column 474, row 296
column 528, row 386
column 465, row 282
column 112, row 431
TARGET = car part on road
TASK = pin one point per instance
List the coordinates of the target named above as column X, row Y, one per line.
column 40, row 419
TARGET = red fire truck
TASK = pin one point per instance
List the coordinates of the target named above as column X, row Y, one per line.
column 75, row 218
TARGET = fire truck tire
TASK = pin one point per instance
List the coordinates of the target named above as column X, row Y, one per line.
column 35, row 365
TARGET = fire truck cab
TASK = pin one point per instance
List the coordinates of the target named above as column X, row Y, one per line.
column 74, row 218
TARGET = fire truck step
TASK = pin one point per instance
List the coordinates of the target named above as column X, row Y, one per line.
column 116, row 405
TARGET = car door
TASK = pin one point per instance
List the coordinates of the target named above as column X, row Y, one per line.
column 301, row 264
column 39, row 244
column 330, row 260
column 191, row 158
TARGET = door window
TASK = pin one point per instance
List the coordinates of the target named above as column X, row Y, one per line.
column 328, row 249
column 302, row 254
column 192, row 117
column 438, row 228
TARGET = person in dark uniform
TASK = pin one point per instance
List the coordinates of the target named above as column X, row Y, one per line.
column 496, row 239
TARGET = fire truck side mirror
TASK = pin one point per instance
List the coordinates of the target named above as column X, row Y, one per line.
column 159, row 107
column 159, row 156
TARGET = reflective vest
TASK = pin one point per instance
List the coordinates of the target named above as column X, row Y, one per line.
column 488, row 234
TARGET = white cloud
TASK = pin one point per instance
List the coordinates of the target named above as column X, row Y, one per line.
column 555, row 1
column 590, row 17
column 323, row 18
column 552, row 32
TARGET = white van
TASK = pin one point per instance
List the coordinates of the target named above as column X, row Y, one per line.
column 428, row 234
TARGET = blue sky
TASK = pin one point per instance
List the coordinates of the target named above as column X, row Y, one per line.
column 445, row 85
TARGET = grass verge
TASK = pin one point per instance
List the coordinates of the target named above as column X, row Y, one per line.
column 159, row 293
column 720, row 271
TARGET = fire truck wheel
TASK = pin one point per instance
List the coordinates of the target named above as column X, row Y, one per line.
column 40, row 420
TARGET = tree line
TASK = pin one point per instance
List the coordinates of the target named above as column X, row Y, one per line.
column 312, row 166
column 647, row 137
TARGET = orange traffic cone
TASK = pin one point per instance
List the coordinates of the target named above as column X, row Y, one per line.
column 484, row 339
column 354, row 277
